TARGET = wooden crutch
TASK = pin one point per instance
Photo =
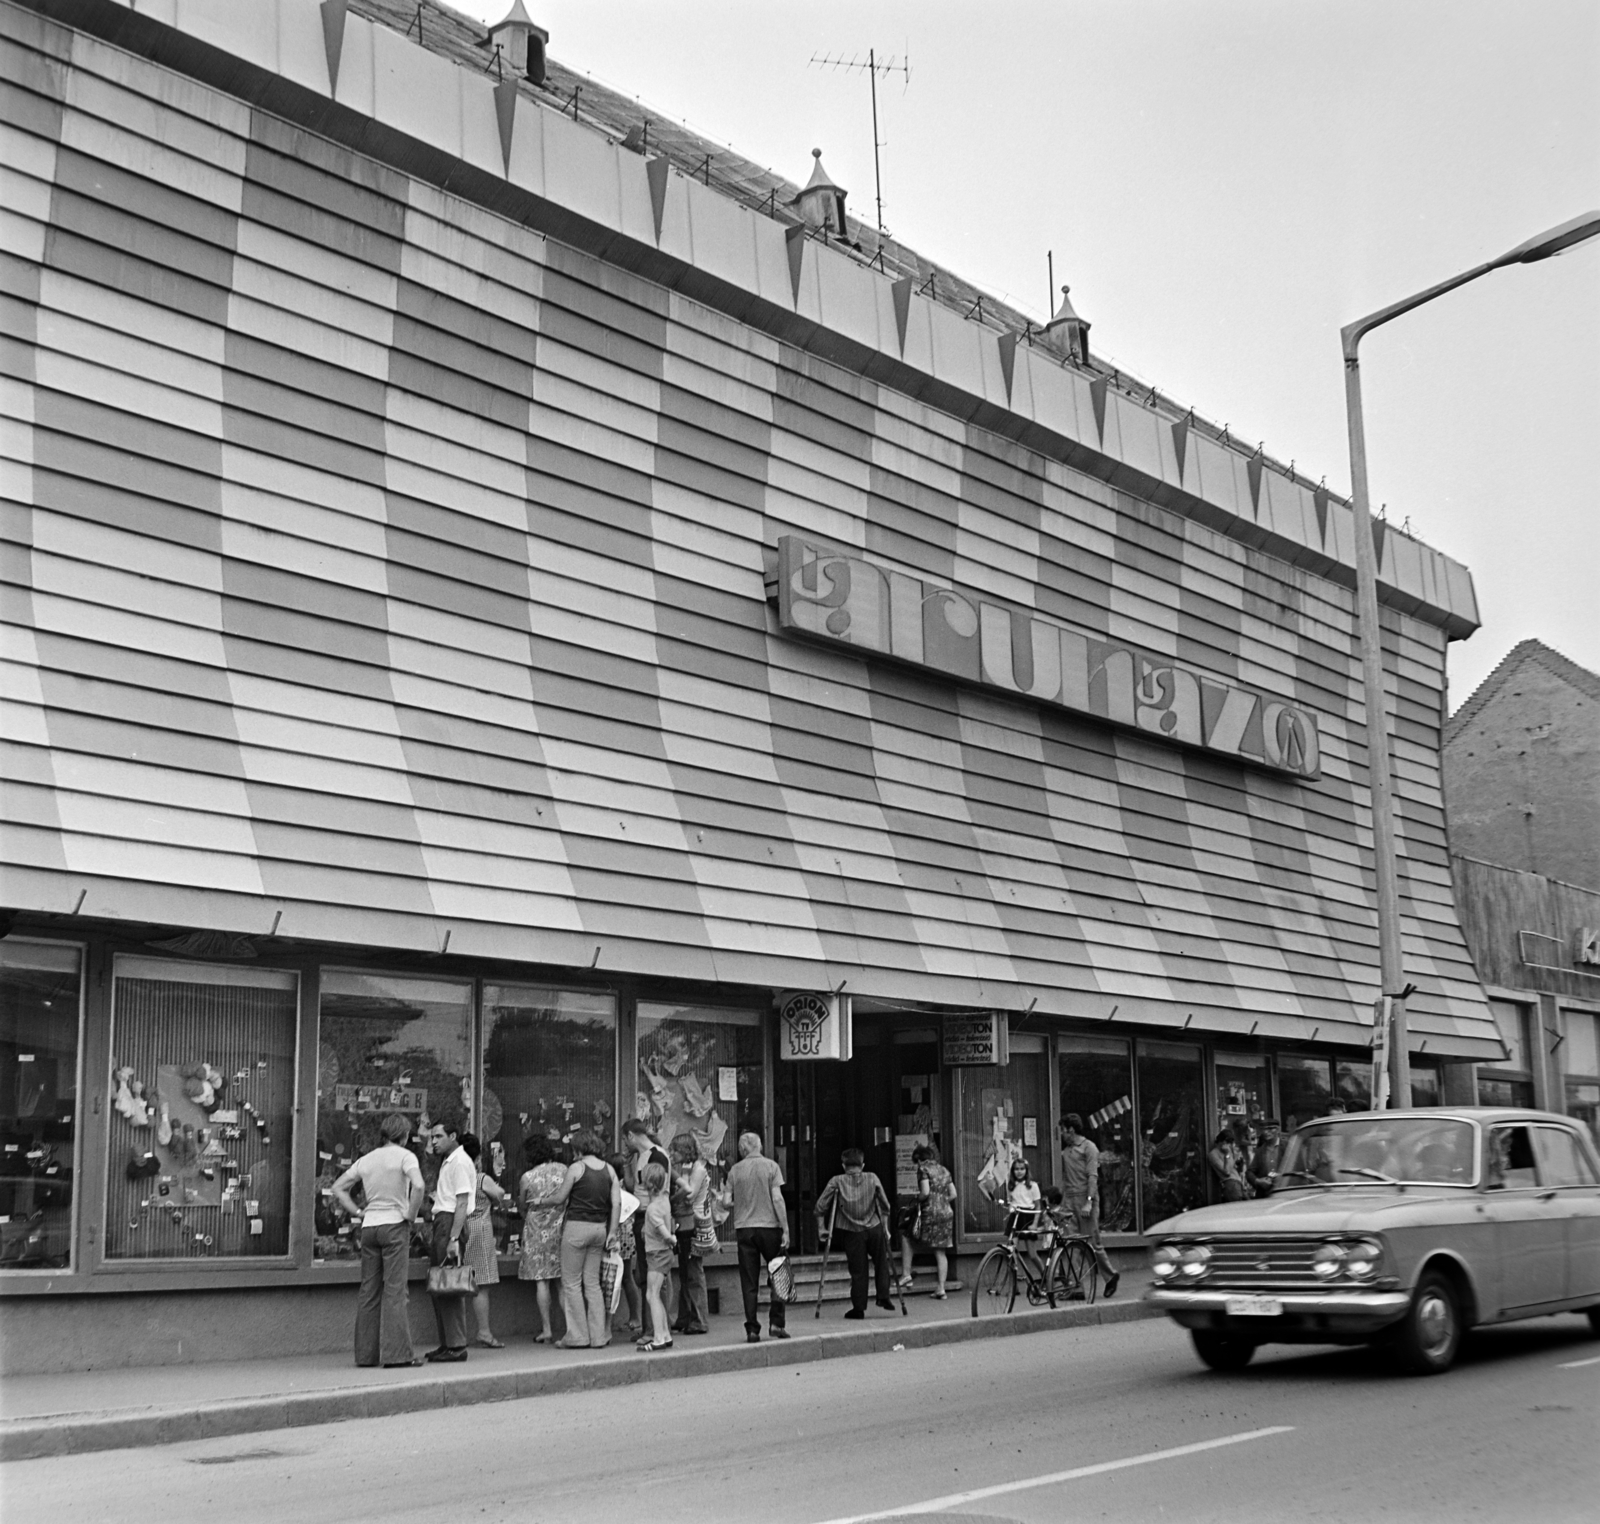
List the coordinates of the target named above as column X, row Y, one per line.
column 827, row 1244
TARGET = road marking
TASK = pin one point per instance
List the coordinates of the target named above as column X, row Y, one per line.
column 952, row 1500
column 1572, row 1365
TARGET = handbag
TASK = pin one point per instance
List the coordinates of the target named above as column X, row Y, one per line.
column 781, row 1274
column 705, row 1235
column 452, row 1280
column 611, row 1280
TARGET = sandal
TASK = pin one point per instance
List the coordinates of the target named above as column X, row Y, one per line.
column 939, row 1296
column 655, row 1349
column 490, row 1343
column 541, row 1338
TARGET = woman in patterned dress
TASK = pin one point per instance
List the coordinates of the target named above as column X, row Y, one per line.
column 541, row 1224
column 938, row 1193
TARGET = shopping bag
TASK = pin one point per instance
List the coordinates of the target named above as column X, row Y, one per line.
column 781, row 1274
column 611, row 1280
column 452, row 1280
column 705, row 1236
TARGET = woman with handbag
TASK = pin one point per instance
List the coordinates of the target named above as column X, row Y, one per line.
column 691, row 1205
column 936, row 1217
column 541, row 1225
column 593, row 1199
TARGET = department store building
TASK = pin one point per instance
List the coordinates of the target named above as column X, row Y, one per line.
column 508, row 623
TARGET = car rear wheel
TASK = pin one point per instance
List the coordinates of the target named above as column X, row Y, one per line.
column 1428, row 1340
column 1221, row 1352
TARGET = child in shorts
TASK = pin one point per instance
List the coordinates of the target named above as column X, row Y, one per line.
column 660, row 1250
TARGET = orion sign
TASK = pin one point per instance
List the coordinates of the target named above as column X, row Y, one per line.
column 840, row 598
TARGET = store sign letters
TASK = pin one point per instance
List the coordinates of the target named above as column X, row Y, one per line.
column 841, row 598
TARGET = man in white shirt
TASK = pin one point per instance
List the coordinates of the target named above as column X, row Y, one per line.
column 454, row 1196
column 391, row 1183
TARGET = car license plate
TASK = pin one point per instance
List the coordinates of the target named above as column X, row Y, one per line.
column 1254, row 1307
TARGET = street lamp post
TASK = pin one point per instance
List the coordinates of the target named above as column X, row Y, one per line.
column 1556, row 240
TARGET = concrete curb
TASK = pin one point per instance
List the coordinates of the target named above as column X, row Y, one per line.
column 79, row 1433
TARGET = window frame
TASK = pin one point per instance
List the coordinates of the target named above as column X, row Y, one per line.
column 242, row 1264
column 77, row 1264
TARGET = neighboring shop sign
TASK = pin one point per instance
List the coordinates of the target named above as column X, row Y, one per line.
column 364, row 1098
column 814, row 1026
column 841, row 598
column 1588, row 945
column 982, row 1038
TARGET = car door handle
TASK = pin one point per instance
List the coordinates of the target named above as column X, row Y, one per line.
column 1545, row 1196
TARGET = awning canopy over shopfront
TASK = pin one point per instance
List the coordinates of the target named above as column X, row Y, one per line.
column 425, row 604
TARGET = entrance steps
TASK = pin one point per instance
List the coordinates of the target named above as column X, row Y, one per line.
column 836, row 1283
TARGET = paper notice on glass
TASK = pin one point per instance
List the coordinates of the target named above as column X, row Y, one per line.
column 727, row 1082
column 1030, row 1132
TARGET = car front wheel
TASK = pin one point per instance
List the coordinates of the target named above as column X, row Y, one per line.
column 1594, row 1321
column 1220, row 1352
column 1427, row 1342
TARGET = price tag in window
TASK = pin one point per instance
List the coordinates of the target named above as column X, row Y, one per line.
column 257, row 1227
column 24, row 1058
column 252, row 1207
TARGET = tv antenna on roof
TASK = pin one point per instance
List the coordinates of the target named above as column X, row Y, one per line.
column 872, row 68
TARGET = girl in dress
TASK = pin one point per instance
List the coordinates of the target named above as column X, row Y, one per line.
column 482, row 1253
column 660, row 1251
column 1024, row 1196
column 541, row 1225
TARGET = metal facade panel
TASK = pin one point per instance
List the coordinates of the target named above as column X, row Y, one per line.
column 459, row 621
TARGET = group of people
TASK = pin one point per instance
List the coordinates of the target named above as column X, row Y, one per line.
column 1246, row 1168
column 652, row 1207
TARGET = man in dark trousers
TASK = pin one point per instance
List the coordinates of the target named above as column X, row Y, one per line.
column 859, row 1207
column 454, row 1195
column 761, row 1230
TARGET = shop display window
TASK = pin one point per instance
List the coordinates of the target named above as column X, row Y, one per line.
column 386, row 1042
column 1172, row 1175
column 1097, row 1084
column 1005, row 1114
column 1305, row 1088
column 1352, row 1083
column 40, row 1004
column 549, row 1069
column 1508, row 1081
column 702, row 1070
column 1424, row 1084
column 1582, row 1064
column 202, row 1109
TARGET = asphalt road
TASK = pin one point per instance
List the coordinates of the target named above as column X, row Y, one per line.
column 1050, row 1427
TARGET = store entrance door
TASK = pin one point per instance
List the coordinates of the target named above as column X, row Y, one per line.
column 887, row 1092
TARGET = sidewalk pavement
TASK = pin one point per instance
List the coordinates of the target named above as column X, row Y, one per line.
column 114, row 1409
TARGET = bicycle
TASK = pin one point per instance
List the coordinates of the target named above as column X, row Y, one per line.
column 1071, row 1274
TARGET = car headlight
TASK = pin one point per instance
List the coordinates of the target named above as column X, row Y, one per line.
column 1328, row 1261
column 1362, row 1259
column 1194, row 1262
column 1164, row 1262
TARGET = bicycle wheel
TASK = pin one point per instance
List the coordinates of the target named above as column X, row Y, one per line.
column 994, row 1288
column 1074, row 1273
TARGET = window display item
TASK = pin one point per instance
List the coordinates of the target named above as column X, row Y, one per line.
column 193, row 1041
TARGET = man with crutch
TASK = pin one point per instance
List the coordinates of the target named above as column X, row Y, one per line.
column 857, row 1207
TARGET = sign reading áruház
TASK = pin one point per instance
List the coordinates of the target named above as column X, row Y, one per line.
column 838, row 597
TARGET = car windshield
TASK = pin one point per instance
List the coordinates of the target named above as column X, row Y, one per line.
column 1386, row 1150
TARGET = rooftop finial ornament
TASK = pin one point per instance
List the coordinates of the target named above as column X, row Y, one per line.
column 821, row 202
column 1066, row 332
column 520, row 42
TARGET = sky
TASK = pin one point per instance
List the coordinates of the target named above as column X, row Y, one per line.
column 1224, row 184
